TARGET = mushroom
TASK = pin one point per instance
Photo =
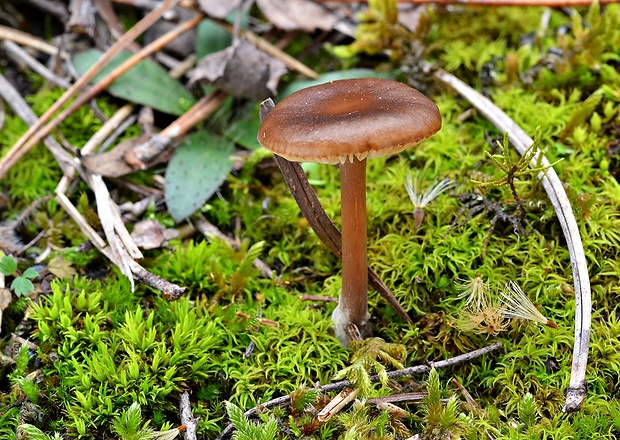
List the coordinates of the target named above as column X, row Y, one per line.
column 346, row 122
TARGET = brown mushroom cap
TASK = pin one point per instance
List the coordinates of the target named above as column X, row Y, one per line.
column 339, row 120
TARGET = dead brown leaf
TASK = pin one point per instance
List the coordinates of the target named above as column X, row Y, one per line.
column 114, row 162
column 241, row 70
column 150, row 234
column 304, row 15
column 218, row 8
column 60, row 267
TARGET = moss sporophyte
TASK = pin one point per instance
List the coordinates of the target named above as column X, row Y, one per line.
column 346, row 122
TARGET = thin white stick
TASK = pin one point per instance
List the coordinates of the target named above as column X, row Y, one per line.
column 21, row 56
column 576, row 393
column 25, row 39
column 106, row 215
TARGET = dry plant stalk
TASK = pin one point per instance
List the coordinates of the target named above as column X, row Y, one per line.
column 576, row 393
column 283, row 400
column 20, row 55
column 337, row 403
column 25, row 39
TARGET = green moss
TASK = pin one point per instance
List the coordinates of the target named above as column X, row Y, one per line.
column 237, row 337
column 102, row 351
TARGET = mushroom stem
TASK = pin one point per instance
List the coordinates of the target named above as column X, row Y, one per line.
column 353, row 303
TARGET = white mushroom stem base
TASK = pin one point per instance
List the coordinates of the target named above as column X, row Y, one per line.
column 342, row 320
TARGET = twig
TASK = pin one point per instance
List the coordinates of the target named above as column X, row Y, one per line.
column 169, row 290
column 391, row 374
column 318, row 298
column 116, row 29
column 36, row 132
column 107, row 129
column 140, row 156
column 51, row 7
column 96, row 140
column 21, row 56
column 320, row 222
column 576, row 392
column 187, row 418
column 82, row 19
column 25, row 39
column 396, row 398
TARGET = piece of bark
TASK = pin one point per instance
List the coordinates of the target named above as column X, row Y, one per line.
column 82, row 21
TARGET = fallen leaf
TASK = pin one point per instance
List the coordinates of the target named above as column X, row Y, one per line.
column 305, row 15
column 113, row 163
column 147, row 83
column 183, row 45
column 150, row 234
column 241, row 70
column 196, row 170
column 218, row 8
column 61, row 268
column 22, row 286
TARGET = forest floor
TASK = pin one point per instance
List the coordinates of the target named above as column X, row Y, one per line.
column 159, row 279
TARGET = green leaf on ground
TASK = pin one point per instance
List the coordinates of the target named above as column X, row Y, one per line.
column 22, row 286
column 30, row 273
column 8, row 265
column 147, row 83
column 243, row 130
column 196, row 170
column 210, row 38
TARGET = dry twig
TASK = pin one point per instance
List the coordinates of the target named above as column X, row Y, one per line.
column 37, row 131
column 391, row 374
column 187, row 418
column 25, row 39
column 576, row 392
column 22, row 57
